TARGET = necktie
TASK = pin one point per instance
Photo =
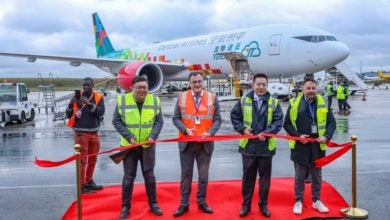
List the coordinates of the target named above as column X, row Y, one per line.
column 197, row 99
column 257, row 106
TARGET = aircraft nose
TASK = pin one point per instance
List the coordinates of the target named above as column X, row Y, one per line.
column 341, row 52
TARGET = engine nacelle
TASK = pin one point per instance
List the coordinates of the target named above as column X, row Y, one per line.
column 149, row 70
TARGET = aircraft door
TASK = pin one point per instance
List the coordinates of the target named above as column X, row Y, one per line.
column 274, row 44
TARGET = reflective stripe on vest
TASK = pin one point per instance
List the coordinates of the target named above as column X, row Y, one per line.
column 321, row 114
column 340, row 93
column 247, row 108
column 138, row 123
column 188, row 112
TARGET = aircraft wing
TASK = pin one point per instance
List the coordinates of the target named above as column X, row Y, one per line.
column 108, row 65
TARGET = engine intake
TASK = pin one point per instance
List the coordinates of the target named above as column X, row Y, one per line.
column 149, row 70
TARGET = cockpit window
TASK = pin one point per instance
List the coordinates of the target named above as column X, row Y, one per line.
column 331, row 38
column 316, row 39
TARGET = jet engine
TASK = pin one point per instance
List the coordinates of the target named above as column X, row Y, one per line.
column 150, row 71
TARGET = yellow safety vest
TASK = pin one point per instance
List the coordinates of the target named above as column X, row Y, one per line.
column 329, row 90
column 321, row 113
column 246, row 106
column 340, row 93
column 138, row 123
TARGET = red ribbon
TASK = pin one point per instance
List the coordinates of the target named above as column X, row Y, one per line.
column 319, row 163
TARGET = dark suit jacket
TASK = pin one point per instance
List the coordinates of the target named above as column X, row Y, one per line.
column 209, row 146
column 303, row 153
column 149, row 152
column 255, row 147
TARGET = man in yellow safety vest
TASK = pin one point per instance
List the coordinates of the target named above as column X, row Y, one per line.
column 308, row 116
column 257, row 113
column 138, row 119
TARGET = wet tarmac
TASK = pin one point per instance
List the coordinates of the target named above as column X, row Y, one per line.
column 31, row 192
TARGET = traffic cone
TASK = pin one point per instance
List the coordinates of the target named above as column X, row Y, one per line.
column 364, row 97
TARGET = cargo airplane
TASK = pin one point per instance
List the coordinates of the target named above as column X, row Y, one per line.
column 277, row 50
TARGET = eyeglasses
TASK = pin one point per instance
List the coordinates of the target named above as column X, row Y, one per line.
column 139, row 88
column 197, row 82
column 87, row 84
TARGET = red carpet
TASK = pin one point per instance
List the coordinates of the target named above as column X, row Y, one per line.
column 223, row 196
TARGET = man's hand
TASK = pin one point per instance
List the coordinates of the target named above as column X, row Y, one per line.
column 322, row 140
column 205, row 134
column 261, row 137
column 85, row 100
column 248, row 131
column 150, row 140
column 133, row 141
column 304, row 136
column 189, row 131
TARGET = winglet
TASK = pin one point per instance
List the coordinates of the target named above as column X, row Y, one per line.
column 102, row 42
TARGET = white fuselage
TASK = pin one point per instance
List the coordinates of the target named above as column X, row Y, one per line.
column 270, row 49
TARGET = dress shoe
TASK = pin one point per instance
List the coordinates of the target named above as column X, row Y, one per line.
column 92, row 185
column 205, row 208
column 181, row 210
column 155, row 209
column 244, row 211
column 124, row 212
column 264, row 210
column 85, row 190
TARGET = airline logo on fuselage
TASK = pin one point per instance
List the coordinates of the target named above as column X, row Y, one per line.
column 252, row 49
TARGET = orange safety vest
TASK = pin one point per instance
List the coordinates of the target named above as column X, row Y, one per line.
column 189, row 111
column 72, row 120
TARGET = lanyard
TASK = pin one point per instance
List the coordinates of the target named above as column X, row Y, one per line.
column 311, row 109
column 197, row 102
column 89, row 99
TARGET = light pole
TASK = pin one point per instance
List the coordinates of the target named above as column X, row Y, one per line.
column 361, row 67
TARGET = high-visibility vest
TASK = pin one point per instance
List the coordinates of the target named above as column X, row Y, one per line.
column 72, row 120
column 321, row 113
column 204, row 112
column 340, row 93
column 247, row 108
column 140, row 124
column 347, row 92
column 329, row 90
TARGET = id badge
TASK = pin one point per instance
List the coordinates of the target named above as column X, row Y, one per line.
column 314, row 129
column 197, row 120
column 78, row 113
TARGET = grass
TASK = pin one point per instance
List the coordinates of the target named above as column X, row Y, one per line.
column 60, row 84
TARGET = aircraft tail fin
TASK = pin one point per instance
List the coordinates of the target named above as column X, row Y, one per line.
column 380, row 74
column 102, row 42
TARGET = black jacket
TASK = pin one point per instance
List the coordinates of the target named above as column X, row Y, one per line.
column 255, row 147
column 149, row 153
column 90, row 116
column 307, row 153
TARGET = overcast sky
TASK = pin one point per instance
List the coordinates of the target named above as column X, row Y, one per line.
column 53, row 27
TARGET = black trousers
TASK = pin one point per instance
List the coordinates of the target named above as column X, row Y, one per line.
column 330, row 99
column 194, row 151
column 130, row 171
column 251, row 165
